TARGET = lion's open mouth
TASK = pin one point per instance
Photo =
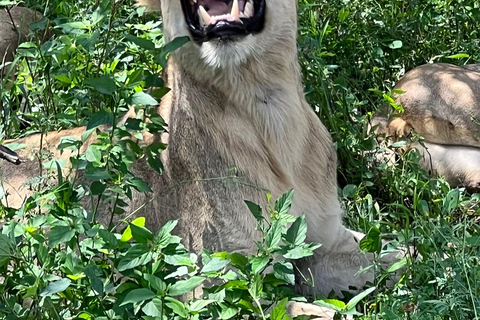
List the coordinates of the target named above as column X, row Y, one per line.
column 210, row 19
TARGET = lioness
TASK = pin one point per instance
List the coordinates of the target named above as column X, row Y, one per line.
column 14, row 27
column 237, row 101
column 441, row 102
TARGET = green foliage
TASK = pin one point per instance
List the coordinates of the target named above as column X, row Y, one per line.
column 66, row 266
column 352, row 53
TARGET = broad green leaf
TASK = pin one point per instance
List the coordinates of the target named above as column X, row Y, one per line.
column 5, row 249
column 259, row 263
column 142, row 98
column 198, row 305
column 256, row 287
column 185, row 286
column 214, row 265
column 332, row 304
column 274, row 235
column 99, row 118
column 141, row 42
column 177, row 307
column 153, row 308
column 255, row 210
column 280, row 311
column 397, row 265
column 139, row 184
column 135, row 256
column 103, row 84
column 138, row 295
column 372, row 242
column 55, row 287
column 283, row 270
column 173, row 45
column 93, row 273
column 355, row 300
column 283, row 204
column 60, row 234
column 297, row 232
column 397, row 44
column 141, row 234
column 186, row 259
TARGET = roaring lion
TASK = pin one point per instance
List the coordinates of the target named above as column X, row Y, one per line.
column 237, row 102
column 441, row 102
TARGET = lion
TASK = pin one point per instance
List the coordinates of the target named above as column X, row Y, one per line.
column 14, row 28
column 440, row 103
column 237, row 105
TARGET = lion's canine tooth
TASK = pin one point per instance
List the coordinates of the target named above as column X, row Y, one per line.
column 204, row 16
column 235, row 13
column 248, row 11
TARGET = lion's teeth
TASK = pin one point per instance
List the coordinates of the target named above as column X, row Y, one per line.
column 249, row 10
column 204, row 16
column 235, row 11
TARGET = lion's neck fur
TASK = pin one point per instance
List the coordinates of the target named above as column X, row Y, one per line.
column 265, row 90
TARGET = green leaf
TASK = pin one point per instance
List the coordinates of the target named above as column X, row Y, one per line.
column 355, row 300
column 134, row 257
column 397, row 44
column 185, row 286
column 141, row 234
column 283, row 270
column 93, row 273
column 96, row 173
column 332, row 304
column 199, row 305
column 139, row 184
column 93, row 154
column 99, row 118
column 215, row 265
column 283, row 204
column 397, row 265
column 141, row 42
column 154, row 308
column 297, row 232
column 255, row 210
column 60, row 234
column 55, row 287
column 372, row 242
column 138, row 295
column 173, row 45
column 274, row 235
column 280, row 311
column 450, row 202
column 5, row 250
column 459, row 56
column 177, row 307
column 256, row 287
column 259, row 263
column 300, row 252
column 142, row 98
column 103, row 84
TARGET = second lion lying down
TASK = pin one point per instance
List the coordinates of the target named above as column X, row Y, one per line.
column 237, row 101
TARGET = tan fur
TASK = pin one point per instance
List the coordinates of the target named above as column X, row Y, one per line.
column 441, row 102
column 241, row 105
column 12, row 35
column 15, row 178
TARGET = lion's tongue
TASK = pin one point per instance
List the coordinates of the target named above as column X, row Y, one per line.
column 219, row 10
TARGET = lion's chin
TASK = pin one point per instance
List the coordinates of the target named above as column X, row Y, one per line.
column 223, row 19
